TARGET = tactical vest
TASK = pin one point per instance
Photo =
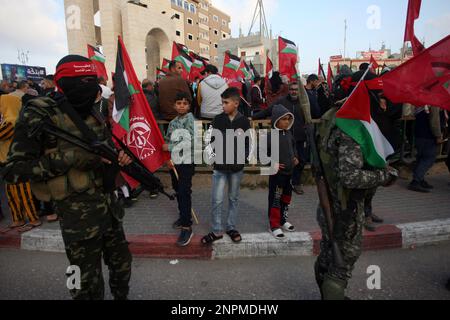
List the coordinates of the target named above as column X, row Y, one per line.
column 325, row 129
column 75, row 180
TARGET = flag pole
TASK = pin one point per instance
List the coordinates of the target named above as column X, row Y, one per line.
column 194, row 215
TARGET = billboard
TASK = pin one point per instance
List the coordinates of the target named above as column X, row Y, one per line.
column 14, row 72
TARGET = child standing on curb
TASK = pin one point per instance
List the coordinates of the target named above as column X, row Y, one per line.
column 226, row 170
column 280, row 187
column 180, row 136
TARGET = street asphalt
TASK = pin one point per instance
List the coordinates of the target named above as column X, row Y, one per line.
column 415, row 274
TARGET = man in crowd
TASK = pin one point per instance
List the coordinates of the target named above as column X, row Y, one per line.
column 257, row 99
column 312, row 83
column 292, row 103
column 5, row 87
column 428, row 136
column 209, row 93
column 149, row 90
column 21, row 90
column 169, row 87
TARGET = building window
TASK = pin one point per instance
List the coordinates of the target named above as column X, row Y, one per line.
column 216, row 18
column 216, row 45
column 190, row 37
column 180, row 3
column 186, row 6
column 173, row 2
column 190, row 21
column 192, row 8
column 178, row 33
column 216, row 32
column 177, row 16
column 224, row 35
column 224, row 23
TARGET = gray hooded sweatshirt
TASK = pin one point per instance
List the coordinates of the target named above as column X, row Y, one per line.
column 211, row 89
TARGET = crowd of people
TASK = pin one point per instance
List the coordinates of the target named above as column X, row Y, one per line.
column 227, row 107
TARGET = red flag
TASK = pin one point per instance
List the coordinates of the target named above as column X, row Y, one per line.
column 288, row 57
column 269, row 69
column 412, row 16
column 423, row 80
column 374, row 64
column 330, row 77
column 231, row 66
column 180, row 53
column 134, row 122
column 338, row 69
column 99, row 60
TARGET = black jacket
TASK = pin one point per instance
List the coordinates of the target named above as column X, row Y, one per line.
column 298, row 130
column 153, row 102
column 240, row 125
column 286, row 142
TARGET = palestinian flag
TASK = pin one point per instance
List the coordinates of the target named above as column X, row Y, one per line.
column 198, row 66
column 134, row 122
column 165, row 65
column 180, row 53
column 160, row 73
column 288, row 58
column 244, row 70
column 99, row 60
column 253, row 71
column 231, row 66
column 355, row 120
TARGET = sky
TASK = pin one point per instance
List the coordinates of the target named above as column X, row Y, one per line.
column 38, row 26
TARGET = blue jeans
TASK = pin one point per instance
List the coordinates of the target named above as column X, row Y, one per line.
column 220, row 179
column 426, row 157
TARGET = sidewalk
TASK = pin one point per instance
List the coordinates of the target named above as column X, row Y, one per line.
column 410, row 219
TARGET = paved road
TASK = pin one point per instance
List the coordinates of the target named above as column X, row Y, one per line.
column 405, row 274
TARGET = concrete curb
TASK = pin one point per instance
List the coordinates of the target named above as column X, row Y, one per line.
column 253, row 245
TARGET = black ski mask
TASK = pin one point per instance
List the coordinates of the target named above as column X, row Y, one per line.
column 76, row 77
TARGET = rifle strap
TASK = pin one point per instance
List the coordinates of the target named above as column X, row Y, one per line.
column 87, row 132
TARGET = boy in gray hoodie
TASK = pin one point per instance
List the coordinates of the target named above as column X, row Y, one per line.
column 280, row 187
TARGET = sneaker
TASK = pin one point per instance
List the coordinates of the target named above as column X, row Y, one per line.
column 298, row 190
column 185, row 237
column 369, row 226
column 376, row 219
column 426, row 185
column 177, row 225
column 415, row 186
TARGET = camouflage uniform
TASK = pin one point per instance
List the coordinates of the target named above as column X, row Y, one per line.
column 91, row 219
column 349, row 180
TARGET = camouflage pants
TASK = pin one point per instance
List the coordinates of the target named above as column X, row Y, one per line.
column 87, row 255
column 348, row 228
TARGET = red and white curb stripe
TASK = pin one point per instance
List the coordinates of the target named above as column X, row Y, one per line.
column 253, row 245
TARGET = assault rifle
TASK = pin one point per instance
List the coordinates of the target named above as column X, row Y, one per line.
column 135, row 170
column 324, row 195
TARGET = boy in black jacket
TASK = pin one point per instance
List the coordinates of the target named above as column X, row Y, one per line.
column 229, row 159
column 280, row 187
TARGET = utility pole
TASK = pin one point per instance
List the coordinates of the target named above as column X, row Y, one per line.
column 345, row 39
